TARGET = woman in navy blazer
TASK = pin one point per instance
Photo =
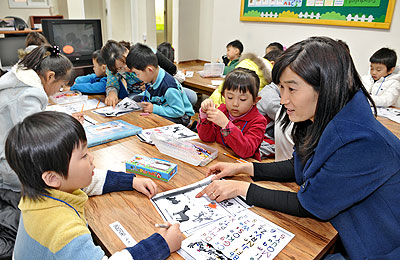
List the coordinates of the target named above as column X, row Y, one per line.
column 346, row 163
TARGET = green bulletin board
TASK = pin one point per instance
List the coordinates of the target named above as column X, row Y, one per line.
column 358, row 13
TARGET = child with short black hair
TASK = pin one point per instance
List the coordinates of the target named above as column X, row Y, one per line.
column 48, row 151
column 94, row 83
column 163, row 95
column 233, row 51
column 272, row 56
column 237, row 123
column 121, row 82
column 383, row 81
column 274, row 46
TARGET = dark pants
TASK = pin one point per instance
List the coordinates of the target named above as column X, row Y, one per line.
column 184, row 120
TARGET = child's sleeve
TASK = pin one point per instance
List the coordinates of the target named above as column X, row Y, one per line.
column 94, row 87
column 112, row 82
column 245, row 145
column 109, row 181
column 83, row 248
column 90, row 78
column 389, row 96
column 206, row 129
column 367, row 82
column 174, row 106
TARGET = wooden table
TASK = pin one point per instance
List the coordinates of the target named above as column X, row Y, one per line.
column 197, row 83
column 391, row 125
column 137, row 215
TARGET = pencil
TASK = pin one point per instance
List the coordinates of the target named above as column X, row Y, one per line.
column 98, row 103
column 82, row 108
column 161, row 226
column 237, row 159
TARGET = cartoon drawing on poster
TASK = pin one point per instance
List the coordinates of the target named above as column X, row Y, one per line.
column 180, row 205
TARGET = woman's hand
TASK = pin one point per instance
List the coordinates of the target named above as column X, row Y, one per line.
column 145, row 186
column 217, row 117
column 112, row 99
column 172, row 235
column 223, row 169
column 220, row 190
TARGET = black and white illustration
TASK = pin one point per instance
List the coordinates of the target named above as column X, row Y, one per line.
column 177, row 131
column 180, row 205
column 126, row 105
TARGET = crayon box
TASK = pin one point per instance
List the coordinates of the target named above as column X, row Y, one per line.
column 151, row 167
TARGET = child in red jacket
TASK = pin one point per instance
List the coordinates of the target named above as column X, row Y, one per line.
column 236, row 124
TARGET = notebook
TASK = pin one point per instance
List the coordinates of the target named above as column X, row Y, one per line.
column 110, row 131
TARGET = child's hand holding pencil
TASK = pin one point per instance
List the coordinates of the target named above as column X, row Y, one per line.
column 79, row 115
column 172, row 235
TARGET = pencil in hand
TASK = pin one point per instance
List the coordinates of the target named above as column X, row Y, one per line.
column 240, row 160
column 161, row 226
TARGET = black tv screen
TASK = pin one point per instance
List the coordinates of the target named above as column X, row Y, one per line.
column 77, row 39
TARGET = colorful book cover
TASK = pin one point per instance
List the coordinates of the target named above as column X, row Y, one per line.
column 110, row 131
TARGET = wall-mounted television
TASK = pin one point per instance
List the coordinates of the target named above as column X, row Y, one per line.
column 77, row 39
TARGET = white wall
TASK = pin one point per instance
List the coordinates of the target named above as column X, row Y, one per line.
column 226, row 26
column 206, row 29
column 188, row 29
column 95, row 9
column 5, row 10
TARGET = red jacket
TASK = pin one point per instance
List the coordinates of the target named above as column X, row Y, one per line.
column 244, row 135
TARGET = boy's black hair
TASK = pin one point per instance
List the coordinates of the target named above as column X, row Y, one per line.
column 47, row 58
column 242, row 79
column 276, row 45
column 273, row 55
column 42, row 142
column 236, row 44
column 111, row 52
column 96, row 55
column 385, row 56
column 166, row 49
column 140, row 56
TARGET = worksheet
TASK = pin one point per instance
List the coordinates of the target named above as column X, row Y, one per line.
column 180, row 205
column 245, row 235
column 177, row 131
column 126, row 105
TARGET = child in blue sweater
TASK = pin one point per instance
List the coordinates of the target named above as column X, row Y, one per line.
column 53, row 224
column 96, row 82
column 163, row 94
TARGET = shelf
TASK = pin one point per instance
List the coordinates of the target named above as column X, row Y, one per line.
column 36, row 21
column 26, row 31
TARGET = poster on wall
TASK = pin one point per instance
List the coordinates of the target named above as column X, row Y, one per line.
column 358, row 13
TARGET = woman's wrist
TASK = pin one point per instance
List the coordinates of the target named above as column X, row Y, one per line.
column 247, row 168
column 243, row 188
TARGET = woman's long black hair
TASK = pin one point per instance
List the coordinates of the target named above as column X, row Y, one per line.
column 328, row 67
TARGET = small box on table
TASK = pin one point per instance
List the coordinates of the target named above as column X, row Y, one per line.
column 151, row 167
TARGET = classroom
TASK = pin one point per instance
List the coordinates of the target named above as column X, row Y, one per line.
column 199, row 129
